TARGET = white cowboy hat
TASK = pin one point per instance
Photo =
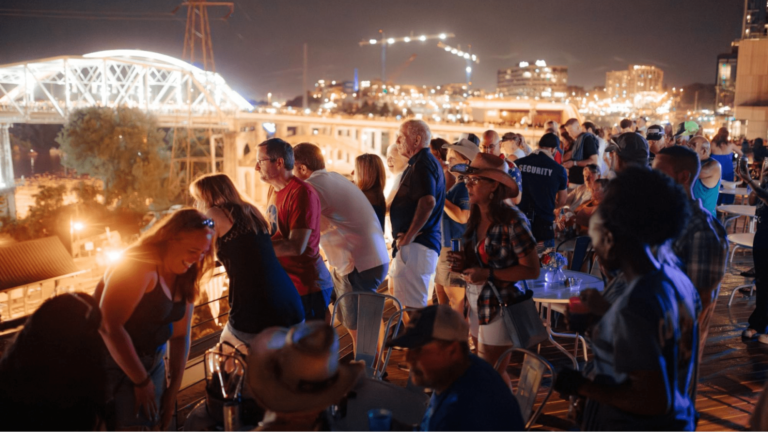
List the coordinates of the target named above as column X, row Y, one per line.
column 297, row 369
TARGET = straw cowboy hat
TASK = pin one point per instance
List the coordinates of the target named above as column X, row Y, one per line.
column 297, row 369
column 491, row 167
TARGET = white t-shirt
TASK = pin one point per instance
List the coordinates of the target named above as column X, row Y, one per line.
column 352, row 237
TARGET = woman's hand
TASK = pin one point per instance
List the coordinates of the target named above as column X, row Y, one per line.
column 476, row 276
column 456, row 261
column 167, row 408
column 145, row 399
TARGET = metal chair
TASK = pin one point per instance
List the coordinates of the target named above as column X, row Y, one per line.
column 396, row 319
column 741, row 287
column 370, row 314
column 531, row 377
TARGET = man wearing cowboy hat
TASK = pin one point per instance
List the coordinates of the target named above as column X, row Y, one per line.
column 468, row 393
column 295, row 374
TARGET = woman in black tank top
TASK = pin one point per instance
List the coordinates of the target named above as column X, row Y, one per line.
column 261, row 294
column 146, row 301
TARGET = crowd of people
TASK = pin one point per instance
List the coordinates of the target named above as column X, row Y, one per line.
column 468, row 220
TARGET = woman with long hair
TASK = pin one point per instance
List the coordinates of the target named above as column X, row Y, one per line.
column 52, row 377
column 261, row 294
column 371, row 178
column 147, row 302
column 499, row 249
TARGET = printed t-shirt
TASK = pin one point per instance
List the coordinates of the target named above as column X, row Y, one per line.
column 423, row 177
column 543, row 178
column 297, row 206
column 478, row 400
column 652, row 326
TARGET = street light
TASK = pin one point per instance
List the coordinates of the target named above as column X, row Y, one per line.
column 74, row 226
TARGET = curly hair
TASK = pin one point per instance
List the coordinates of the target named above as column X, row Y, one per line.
column 643, row 206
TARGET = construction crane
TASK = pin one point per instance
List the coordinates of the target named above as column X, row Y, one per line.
column 193, row 154
column 198, row 31
column 468, row 56
column 400, row 69
column 385, row 41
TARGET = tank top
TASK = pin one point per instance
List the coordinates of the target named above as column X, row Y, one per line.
column 151, row 323
column 708, row 196
column 261, row 294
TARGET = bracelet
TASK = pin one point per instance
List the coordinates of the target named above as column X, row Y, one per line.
column 144, row 382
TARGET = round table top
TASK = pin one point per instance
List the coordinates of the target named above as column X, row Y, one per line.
column 741, row 210
column 407, row 406
column 545, row 292
column 742, row 239
column 734, row 191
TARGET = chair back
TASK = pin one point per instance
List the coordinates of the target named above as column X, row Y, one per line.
column 580, row 252
column 370, row 314
column 531, row 376
column 392, row 329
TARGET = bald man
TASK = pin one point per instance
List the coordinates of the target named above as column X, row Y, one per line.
column 490, row 143
column 707, row 187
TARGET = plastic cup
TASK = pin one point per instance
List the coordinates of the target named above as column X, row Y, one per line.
column 379, row 419
column 578, row 315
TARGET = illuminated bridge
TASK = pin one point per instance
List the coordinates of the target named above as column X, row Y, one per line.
column 179, row 94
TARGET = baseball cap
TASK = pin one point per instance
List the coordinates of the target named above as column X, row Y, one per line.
column 688, row 128
column 465, row 147
column 654, row 133
column 630, row 147
column 438, row 322
column 549, row 140
column 473, row 138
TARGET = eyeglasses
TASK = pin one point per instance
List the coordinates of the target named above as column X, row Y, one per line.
column 258, row 162
column 209, row 223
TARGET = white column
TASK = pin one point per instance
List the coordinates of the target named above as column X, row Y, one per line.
column 7, row 184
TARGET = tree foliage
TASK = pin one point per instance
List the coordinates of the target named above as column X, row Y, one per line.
column 45, row 217
column 125, row 149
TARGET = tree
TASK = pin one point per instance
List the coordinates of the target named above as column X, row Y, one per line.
column 44, row 218
column 384, row 111
column 124, row 148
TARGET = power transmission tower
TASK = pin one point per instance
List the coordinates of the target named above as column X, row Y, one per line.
column 196, row 152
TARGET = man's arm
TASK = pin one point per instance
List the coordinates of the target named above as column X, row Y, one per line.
column 424, row 209
column 645, row 393
column 561, row 197
column 592, row 160
column 294, row 245
column 456, row 213
column 710, row 173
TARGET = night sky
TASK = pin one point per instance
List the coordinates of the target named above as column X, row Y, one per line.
column 259, row 49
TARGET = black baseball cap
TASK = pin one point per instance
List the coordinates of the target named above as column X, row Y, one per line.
column 654, row 133
column 549, row 140
column 438, row 322
column 630, row 147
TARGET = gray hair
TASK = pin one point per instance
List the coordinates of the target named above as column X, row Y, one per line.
column 418, row 128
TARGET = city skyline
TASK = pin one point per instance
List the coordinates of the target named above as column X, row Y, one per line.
column 259, row 49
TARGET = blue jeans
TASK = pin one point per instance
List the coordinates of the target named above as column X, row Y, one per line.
column 365, row 281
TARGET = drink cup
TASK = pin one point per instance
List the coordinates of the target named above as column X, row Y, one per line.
column 578, row 315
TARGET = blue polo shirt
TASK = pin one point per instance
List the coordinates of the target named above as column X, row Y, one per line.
column 478, row 400
column 423, row 177
column 543, row 178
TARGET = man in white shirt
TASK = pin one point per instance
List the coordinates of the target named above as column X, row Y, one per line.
column 351, row 236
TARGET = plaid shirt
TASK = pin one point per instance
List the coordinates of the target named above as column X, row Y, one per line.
column 702, row 248
column 504, row 245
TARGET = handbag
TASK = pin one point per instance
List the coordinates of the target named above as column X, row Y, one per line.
column 521, row 319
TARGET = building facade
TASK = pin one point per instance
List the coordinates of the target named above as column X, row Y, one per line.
column 755, row 23
column 725, row 79
column 751, row 98
column 636, row 79
column 533, row 80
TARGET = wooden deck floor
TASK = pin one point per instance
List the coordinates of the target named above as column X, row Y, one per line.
column 733, row 372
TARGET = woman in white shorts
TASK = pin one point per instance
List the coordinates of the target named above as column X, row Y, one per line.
column 499, row 249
